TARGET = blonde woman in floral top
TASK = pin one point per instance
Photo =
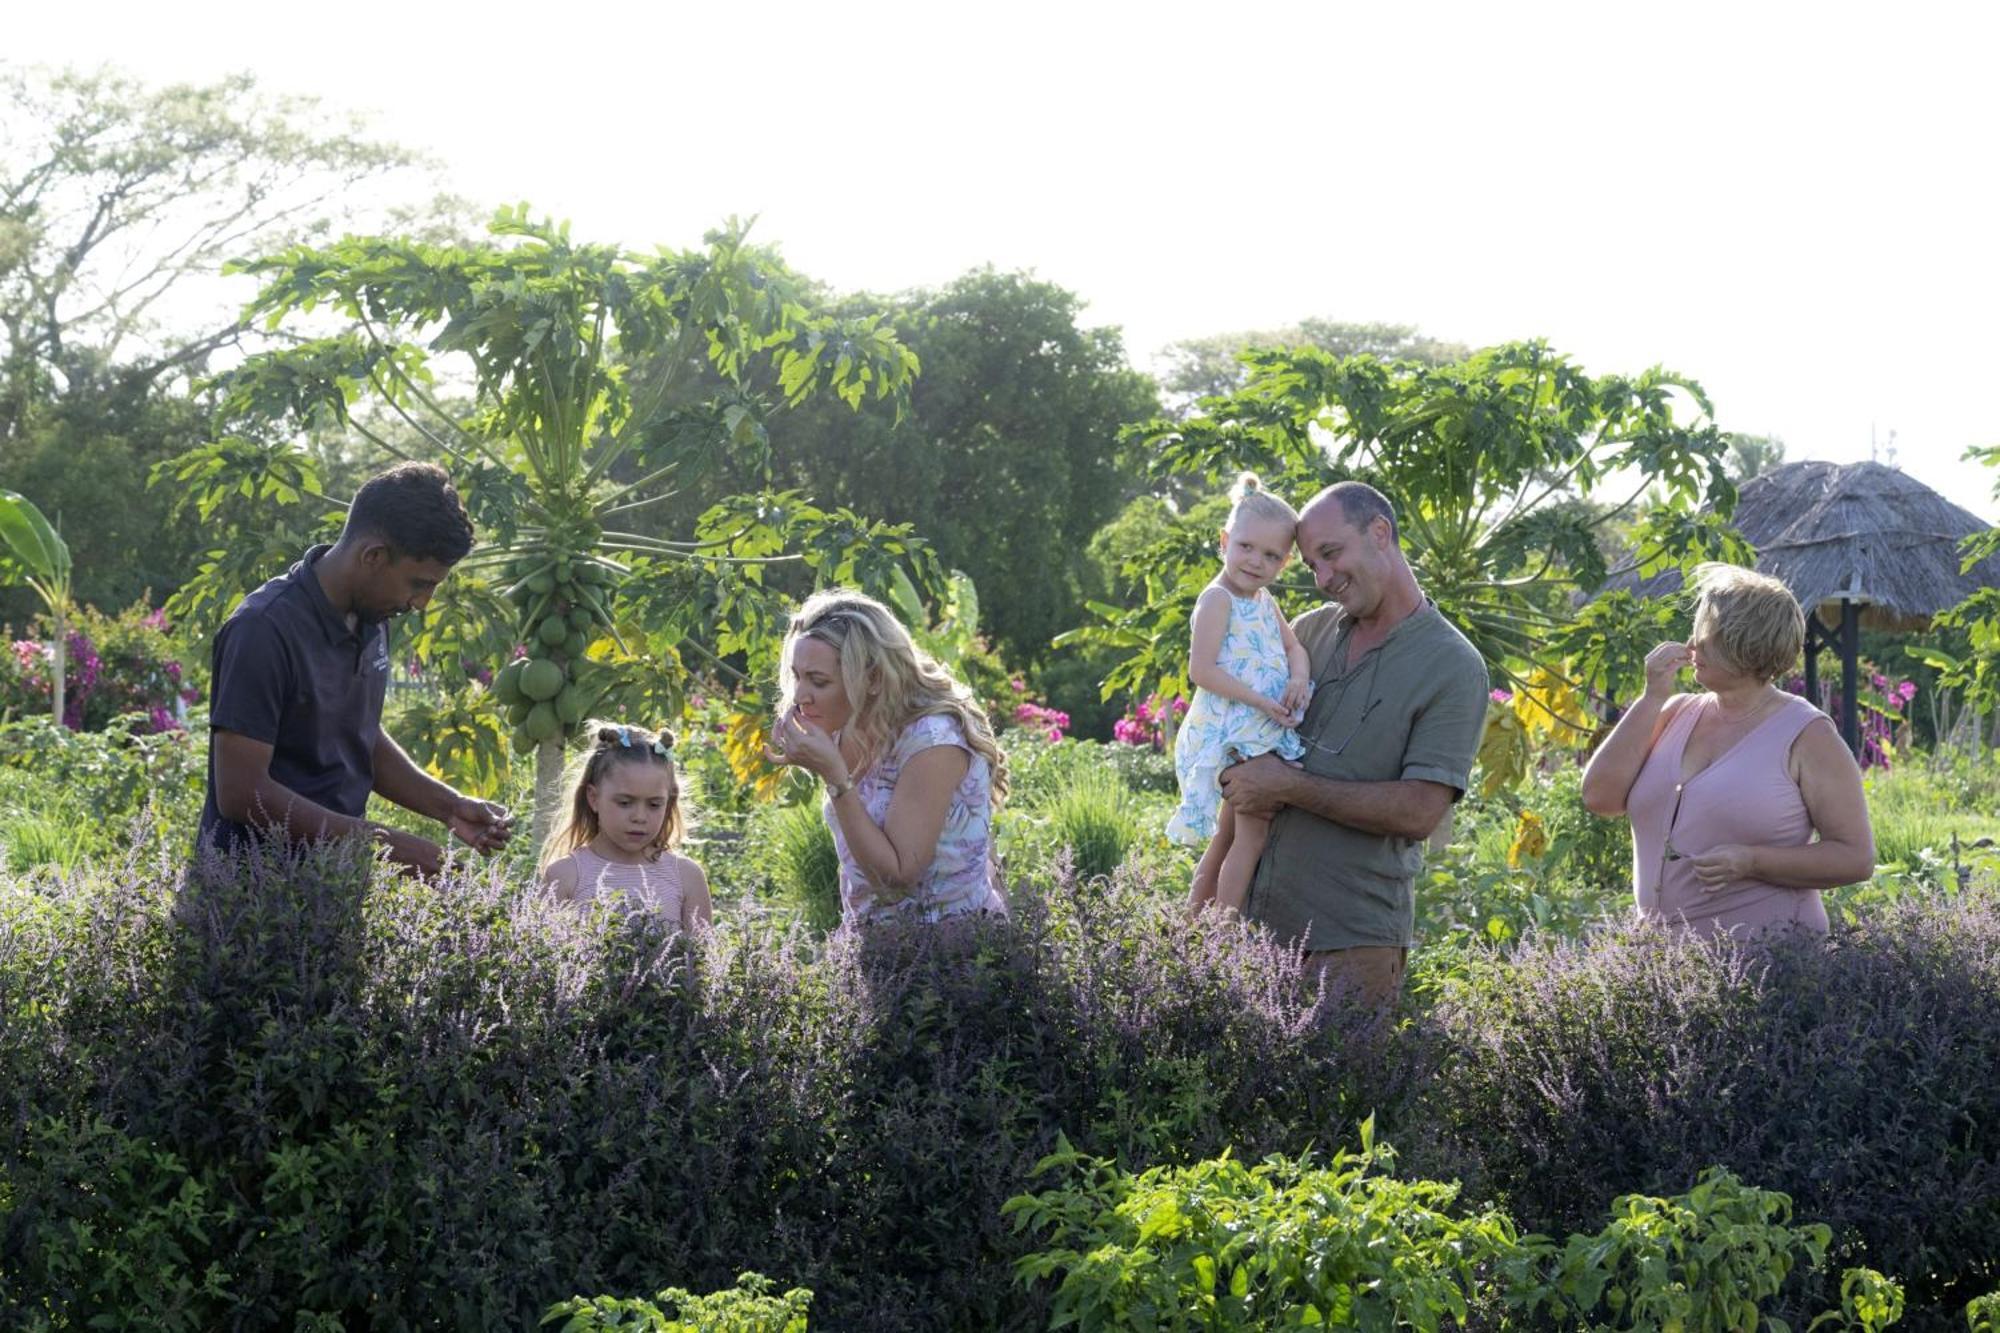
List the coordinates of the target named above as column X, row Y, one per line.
column 912, row 771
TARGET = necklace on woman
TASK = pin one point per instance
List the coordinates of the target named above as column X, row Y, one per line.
column 1763, row 702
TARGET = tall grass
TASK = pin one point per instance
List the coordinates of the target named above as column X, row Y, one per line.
column 42, row 826
column 1920, row 804
column 1093, row 814
column 799, row 855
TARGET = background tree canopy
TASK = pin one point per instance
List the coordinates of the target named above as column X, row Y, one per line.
column 1493, row 464
column 119, row 204
column 1007, row 462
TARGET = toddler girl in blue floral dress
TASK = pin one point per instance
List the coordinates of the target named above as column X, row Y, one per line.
column 1251, row 680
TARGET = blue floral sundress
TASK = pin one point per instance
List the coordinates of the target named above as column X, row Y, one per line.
column 1253, row 651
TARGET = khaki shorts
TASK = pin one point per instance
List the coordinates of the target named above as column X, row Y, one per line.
column 1372, row 972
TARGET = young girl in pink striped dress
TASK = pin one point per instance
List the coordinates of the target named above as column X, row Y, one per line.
column 623, row 826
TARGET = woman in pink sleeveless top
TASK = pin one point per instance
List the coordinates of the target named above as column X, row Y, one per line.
column 1745, row 803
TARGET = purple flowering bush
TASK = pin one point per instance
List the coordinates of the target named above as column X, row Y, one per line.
column 1856, row 1074
column 127, row 663
column 283, row 1092
column 1145, row 723
column 1033, row 716
column 298, row 1089
column 1883, row 705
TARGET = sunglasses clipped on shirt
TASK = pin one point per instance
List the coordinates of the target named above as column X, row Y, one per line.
column 1340, row 747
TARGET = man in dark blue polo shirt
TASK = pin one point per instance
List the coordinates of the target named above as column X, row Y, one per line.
column 301, row 668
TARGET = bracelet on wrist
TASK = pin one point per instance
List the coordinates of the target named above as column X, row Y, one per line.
column 836, row 790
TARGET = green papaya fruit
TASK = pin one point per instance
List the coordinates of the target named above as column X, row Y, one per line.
column 542, row 722
column 507, row 685
column 541, row 679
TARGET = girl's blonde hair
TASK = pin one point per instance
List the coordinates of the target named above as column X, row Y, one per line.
column 611, row 743
column 1249, row 499
column 890, row 682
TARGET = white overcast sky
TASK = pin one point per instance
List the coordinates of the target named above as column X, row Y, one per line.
column 1791, row 203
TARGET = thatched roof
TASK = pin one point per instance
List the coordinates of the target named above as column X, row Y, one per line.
column 1856, row 532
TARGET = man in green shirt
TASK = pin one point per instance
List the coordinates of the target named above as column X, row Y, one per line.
column 1399, row 700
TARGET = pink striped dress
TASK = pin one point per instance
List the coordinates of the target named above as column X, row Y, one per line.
column 650, row 887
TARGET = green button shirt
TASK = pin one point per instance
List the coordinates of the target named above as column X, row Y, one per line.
column 1411, row 709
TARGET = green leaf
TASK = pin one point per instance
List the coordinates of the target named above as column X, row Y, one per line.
column 31, row 540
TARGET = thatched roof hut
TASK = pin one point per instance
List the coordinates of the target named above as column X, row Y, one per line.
column 1854, row 532
column 1858, row 544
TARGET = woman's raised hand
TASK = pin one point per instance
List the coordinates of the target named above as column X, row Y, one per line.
column 800, row 743
column 1662, row 665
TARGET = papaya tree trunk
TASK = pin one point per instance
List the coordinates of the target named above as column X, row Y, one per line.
column 57, row 662
column 548, row 788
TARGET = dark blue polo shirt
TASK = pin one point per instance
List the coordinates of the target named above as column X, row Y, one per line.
column 289, row 672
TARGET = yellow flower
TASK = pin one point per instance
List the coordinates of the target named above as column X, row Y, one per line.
column 1551, row 708
column 1531, row 840
column 743, row 746
column 1503, row 750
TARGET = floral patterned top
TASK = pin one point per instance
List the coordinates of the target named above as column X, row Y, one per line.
column 962, row 877
column 1253, row 651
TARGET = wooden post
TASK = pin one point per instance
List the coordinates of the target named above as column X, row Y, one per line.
column 1850, row 672
column 1814, row 641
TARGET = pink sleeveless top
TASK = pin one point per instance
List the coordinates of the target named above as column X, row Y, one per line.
column 653, row 887
column 1746, row 796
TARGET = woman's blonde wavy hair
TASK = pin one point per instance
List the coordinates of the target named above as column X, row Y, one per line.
column 890, row 681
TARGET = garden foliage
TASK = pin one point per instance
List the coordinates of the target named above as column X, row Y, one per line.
column 1224, row 1245
column 1855, row 1076
column 748, row 1307
column 307, row 1094
column 1288, row 1244
column 288, row 1094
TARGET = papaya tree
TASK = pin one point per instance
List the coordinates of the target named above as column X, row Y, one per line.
column 564, row 386
column 34, row 553
column 1965, row 652
column 1497, row 464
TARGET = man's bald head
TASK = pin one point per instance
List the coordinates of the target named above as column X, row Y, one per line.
column 1360, row 504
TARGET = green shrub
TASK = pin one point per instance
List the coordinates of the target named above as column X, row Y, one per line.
column 1982, row 1313
column 1285, row 1244
column 1868, row 1302
column 1590, row 850
column 796, row 848
column 1221, row 1245
column 1706, row 1261
column 748, row 1307
column 115, row 774
column 1094, row 817
column 406, row 1105
column 59, row 833
column 124, row 1246
column 1626, row 1063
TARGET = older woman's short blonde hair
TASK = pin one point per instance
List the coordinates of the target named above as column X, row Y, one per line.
column 1752, row 621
